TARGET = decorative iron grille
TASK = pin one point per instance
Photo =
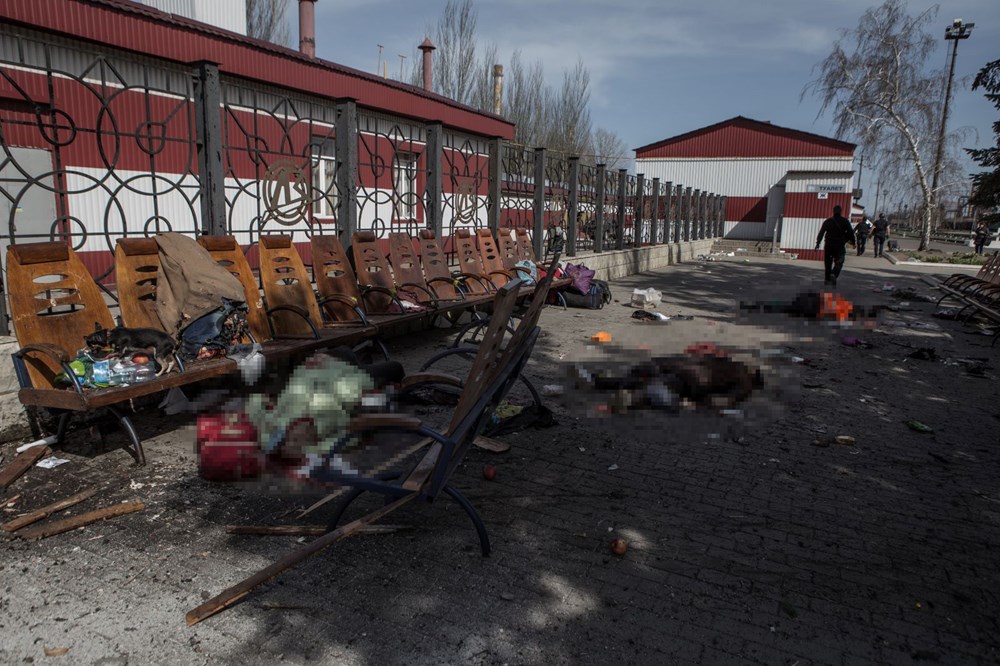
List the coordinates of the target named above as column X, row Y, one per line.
column 122, row 163
column 517, row 186
column 586, row 207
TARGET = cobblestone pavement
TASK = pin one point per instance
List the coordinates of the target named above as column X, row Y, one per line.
column 747, row 542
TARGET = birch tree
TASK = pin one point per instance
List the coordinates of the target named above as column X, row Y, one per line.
column 878, row 88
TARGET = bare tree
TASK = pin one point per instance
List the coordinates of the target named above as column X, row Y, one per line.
column 609, row 149
column 986, row 184
column 266, row 20
column 524, row 100
column 568, row 123
column 876, row 84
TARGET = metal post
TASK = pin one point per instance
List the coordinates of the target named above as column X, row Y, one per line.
column 539, row 208
column 573, row 205
column 620, row 222
column 599, row 209
column 702, row 214
column 654, row 220
column 639, row 209
column 496, row 179
column 434, row 217
column 690, row 196
column 722, row 219
column 208, row 125
column 346, row 113
column 668, row 190
column 678, row 212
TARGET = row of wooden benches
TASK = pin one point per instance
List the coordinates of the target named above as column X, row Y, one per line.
column 979, row 294
column 55, row 303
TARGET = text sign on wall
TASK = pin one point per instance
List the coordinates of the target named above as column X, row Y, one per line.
column 825, row 188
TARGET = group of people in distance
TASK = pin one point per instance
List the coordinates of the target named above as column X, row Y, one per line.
column 838, row 233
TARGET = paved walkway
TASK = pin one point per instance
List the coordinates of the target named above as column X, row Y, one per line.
column 747, row 542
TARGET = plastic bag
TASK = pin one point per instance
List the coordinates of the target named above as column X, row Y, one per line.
column 646, row 298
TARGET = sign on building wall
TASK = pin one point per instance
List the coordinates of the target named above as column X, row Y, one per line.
column 825, row 188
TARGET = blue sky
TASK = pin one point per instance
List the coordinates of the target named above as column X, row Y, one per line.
column 659, row 67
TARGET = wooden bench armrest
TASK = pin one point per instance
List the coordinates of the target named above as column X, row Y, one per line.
column 411, row 380
column 57, row 354
column 368, row 422
column 485, row 282
column 296, row 310
column 420, row 287
column 368, row 289
column 452, row 281
column 346, row 300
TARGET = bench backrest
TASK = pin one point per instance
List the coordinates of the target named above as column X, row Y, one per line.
column 527, row 250
column 227, row 253
column 334, row 276
column 435, row 263
column 490, row 255
column 372, row 269
column 510, row 253
column 53, row 300
column 137, row 272
column 406, row 263
column 469, row 260
column 286, row 282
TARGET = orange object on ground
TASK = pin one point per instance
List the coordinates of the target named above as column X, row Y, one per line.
column 601, row 336
column 834, row 306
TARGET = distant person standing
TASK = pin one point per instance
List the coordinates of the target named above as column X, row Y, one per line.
column 880, row 233
column 838, row 233
column 981, row 236
column 861, row 232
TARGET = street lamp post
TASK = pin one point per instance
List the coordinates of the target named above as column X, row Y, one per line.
column 955, row 32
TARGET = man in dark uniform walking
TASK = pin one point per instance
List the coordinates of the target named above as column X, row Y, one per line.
column 838, row 233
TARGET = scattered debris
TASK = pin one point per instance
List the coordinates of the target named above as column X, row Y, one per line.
column 644, row 315
column 490, row 444
column 918, row 426
column 619, row 547
column 306, row 530
column 84, row 519
column 612, row 467
column 50, row 440
column 489, row 472
column 21, row 464
column 552, row 390
column 46, row 511
column 51, row 462
column 923, row 354
column 846, row 440
column 646, row 298
column 56, row 652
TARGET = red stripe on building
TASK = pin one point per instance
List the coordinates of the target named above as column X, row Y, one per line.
column 746, row 209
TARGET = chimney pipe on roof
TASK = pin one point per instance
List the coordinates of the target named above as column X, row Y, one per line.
column 427, row 47
column 307, row 27
column 497, row 89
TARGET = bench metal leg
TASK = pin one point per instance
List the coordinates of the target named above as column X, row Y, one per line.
column 63, row 425
column 341, row 507
column 484, row 538
column 126, row 424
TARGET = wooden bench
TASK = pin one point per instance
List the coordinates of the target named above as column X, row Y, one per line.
column 419, row 463
column 55, row 304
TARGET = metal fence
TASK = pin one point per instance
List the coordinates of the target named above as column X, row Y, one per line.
column 98, row 145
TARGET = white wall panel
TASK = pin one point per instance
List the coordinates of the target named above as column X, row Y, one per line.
column 735, row 177
column 800, row 232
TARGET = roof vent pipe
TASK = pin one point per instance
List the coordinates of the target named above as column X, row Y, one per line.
column 307, row 27
column 428, row 69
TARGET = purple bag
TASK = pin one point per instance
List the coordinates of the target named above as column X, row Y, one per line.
column 581, row 275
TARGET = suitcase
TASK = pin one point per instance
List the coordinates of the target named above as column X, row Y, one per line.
column 227, row 448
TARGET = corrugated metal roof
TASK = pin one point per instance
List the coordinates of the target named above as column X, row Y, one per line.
column 141, row 29
column 745, row 137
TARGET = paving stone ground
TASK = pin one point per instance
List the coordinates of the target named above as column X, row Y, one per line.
column 747, row 543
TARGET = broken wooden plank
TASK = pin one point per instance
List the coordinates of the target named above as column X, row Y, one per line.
column 490, row 444
column 46, row 511
column 233, row 594
column 21, row 464
column 304, row 530
column 84, row 519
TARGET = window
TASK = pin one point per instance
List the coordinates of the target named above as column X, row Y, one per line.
column 404, row 185
column 324, row 179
